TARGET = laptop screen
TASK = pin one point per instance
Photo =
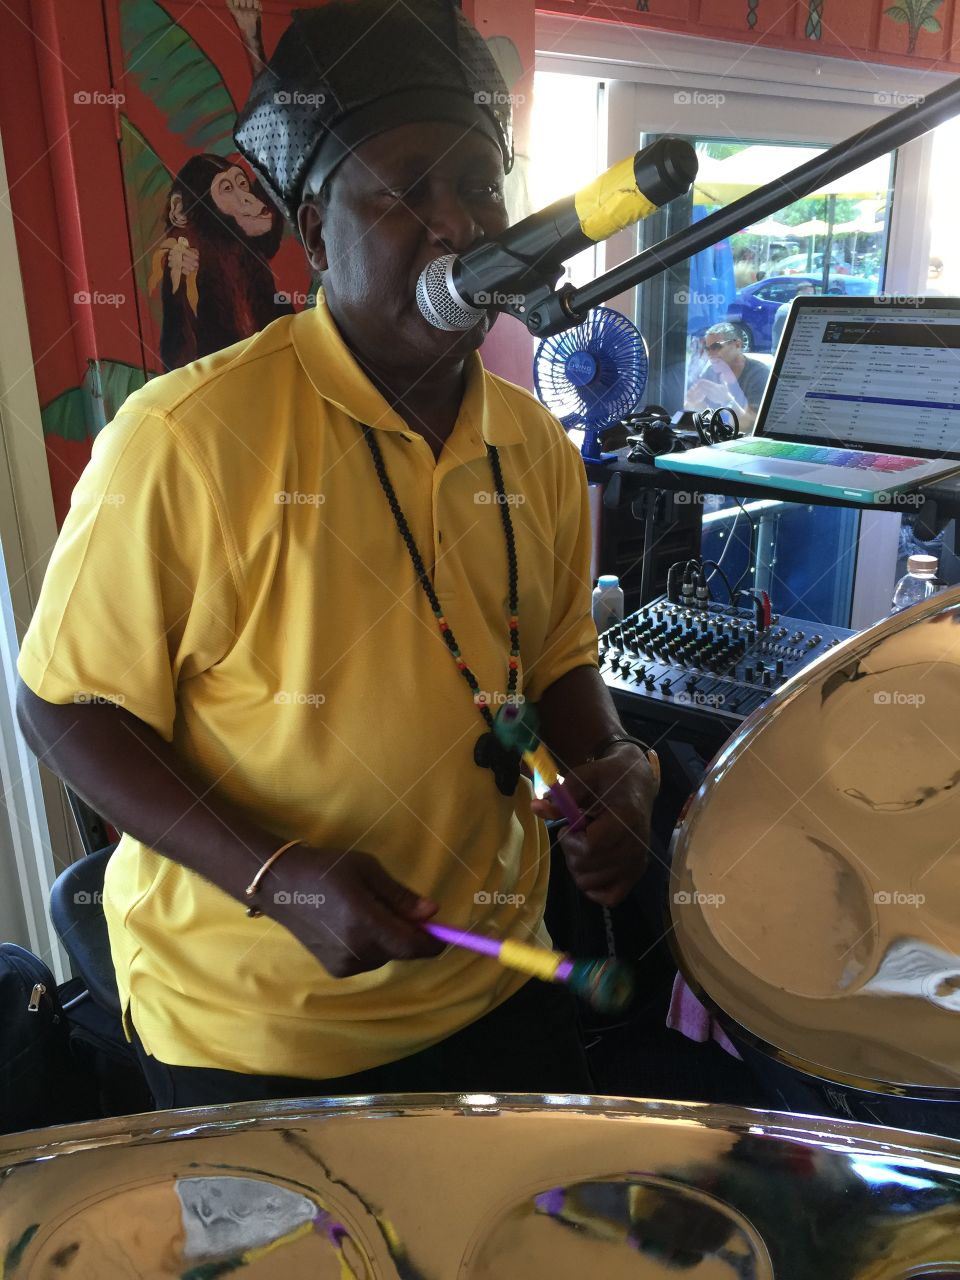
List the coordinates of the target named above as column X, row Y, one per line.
column 868, row 373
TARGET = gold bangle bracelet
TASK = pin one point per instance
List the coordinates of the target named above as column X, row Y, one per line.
column 253, row 888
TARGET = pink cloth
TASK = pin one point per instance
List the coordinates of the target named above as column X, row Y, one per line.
column 688, row 1016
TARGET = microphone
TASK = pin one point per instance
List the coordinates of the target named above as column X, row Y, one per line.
column 454, row 292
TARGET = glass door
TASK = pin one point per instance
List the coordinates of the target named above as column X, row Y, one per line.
column 713, row 324
column 733, row 298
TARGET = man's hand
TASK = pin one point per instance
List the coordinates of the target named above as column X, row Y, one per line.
column 345, row 909
column 616, row 794
column 705, row 394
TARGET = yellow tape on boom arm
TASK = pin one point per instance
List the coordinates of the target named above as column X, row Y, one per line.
column 611, row 202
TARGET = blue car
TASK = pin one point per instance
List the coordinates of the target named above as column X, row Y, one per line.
column 752, row 311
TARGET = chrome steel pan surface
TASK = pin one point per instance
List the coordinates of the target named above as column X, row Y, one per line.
column 475, row 1187
column 815, row 890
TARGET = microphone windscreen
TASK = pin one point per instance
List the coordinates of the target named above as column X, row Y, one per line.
column 438, row 299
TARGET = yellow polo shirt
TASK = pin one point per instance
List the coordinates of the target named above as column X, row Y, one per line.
column 230, row 573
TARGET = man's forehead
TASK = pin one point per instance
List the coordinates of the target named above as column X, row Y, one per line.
column 429, row 144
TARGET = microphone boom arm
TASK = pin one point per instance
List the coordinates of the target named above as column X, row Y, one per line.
column 561, row 310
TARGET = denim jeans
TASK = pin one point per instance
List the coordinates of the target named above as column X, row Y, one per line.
column 528, row 1044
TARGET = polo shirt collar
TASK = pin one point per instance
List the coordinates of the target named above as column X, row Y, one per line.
column 332, row 368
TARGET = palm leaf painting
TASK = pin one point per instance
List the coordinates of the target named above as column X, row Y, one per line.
column 917, row 15
column 178, row 77
column 78, row 414
column 147, row 182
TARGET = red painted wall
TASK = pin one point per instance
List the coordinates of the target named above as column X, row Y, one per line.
column 859, row 29
column 96, row 118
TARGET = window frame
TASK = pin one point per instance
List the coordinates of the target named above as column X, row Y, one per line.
column 762, row 90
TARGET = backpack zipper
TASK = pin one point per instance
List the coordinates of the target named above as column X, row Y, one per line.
column 39, row 989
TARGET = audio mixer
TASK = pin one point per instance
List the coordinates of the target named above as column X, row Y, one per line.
column 705, row 663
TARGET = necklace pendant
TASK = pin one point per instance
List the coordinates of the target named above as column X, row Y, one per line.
column 490, row 753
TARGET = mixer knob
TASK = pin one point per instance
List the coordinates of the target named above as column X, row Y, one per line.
column 813, row 641
column 748, row 673
column 796, row 638
column 760, row 668
column 768, row 679
column 665, row 686
column 639, row 675
column 649, row 682
column 779, row 666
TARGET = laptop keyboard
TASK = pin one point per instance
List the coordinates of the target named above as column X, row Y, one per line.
column 824, row 456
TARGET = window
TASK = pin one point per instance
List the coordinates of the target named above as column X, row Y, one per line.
column 868, row 230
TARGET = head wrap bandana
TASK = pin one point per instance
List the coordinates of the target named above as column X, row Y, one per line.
column 352, row 69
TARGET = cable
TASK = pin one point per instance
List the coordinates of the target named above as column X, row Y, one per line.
column 723, row 576
column 753, row 536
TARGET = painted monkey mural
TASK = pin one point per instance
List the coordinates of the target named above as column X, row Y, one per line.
column 213, row 264
column 219, row 232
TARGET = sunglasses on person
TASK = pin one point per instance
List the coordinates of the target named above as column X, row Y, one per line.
column 715, row 346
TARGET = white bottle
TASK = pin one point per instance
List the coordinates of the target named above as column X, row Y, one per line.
column 918, row 583
column 607, row 602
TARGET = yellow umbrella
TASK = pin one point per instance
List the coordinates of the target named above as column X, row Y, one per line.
column 813, row 227
column 720, row 182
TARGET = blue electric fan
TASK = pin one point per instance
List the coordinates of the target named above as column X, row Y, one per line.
column 592, row 376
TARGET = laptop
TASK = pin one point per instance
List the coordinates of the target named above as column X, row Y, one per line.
column 863, row 401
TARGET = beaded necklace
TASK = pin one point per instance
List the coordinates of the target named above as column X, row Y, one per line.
column 488, row 753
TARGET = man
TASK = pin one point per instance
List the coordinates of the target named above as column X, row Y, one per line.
column 735, row 380
column 295, row 577
column 780, row 319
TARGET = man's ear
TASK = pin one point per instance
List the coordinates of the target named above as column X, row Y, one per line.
column 310, row 226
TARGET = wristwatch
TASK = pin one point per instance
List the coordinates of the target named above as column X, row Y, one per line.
column 602, row 747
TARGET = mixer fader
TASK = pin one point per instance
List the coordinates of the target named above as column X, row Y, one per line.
column 687, row 662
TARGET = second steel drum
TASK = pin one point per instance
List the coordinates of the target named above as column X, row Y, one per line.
column 816, row 874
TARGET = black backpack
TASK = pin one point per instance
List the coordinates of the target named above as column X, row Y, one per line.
column 39, row 1081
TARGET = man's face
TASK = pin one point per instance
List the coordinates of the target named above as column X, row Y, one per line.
column 721, row 348
column 402, row 199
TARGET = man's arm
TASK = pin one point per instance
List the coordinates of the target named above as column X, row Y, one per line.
column 576, row 713
column 129, row 774
column 135, row 779
column 616, row 792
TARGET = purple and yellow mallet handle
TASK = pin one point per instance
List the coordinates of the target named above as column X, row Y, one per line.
column 606, row 984
column 516, row 727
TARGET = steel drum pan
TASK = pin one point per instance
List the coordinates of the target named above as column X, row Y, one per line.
column 476, row 1187
column 815, row 884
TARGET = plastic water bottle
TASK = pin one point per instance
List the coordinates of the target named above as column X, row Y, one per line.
column 607, row 602
column 918, row 583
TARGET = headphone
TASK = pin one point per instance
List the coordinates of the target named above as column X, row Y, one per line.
column 652, row 432
column 713, row 426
